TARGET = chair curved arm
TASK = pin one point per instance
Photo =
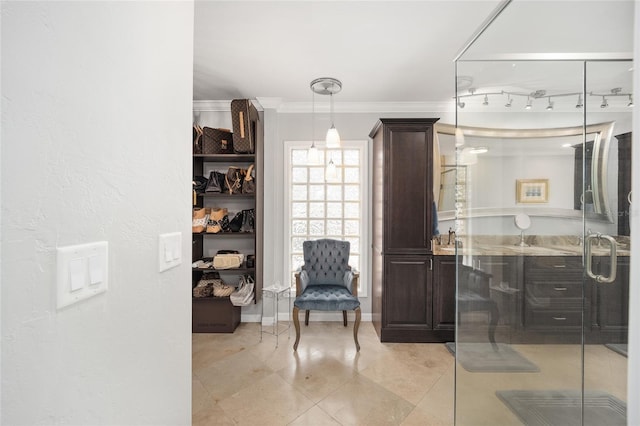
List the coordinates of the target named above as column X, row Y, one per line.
column 351, row 278
column 302, row 281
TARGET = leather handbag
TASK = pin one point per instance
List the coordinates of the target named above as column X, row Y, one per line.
column 249, row 181
column 244, row 117
column 216, row 182
column 197, row 139
column 217, row 141
column 228, row 260
column 206, row 284
column 236, row 223
column 234, row 179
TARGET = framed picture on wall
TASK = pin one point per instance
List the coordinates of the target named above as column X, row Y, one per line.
column 532, row 191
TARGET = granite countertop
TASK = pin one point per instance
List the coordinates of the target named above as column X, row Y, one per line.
column 537, row 245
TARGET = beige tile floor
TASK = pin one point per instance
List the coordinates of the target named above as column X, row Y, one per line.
column 239, row 380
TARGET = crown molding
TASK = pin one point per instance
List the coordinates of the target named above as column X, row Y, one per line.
column 339, row 107
column 221, row 106
column 367, row 107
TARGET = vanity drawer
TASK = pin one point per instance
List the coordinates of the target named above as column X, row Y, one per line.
column 553, row 318
column 554, row 289
column 553, row 266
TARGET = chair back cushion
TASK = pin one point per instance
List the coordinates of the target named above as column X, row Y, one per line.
column 326, row 261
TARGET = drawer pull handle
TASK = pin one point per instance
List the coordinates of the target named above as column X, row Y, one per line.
column 559, row 318
column 560, row 288
column 559, row 266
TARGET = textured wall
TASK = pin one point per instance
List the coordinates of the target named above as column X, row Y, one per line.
column 96, row 115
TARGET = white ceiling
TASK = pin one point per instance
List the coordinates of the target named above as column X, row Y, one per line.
column 388, row 51
column 382, row 51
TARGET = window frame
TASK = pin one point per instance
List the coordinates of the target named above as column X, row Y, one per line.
column 364, row 253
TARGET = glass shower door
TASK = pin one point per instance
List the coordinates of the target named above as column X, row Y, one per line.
column 520, row 294
column 607, row 247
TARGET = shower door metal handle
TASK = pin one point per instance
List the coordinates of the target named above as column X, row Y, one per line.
column 612, row 255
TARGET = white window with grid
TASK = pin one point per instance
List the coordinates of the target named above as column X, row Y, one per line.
column 319, row 208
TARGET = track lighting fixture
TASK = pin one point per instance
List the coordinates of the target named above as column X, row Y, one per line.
column 539, row 94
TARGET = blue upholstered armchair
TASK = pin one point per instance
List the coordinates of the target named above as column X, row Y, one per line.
column 326, row 283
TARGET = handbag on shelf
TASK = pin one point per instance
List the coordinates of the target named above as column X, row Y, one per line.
column 235, row 224
column 197, row 139
column 199, row 219
column 217, row 219
column 228, row 260
column 234, row 179
column 216, row 182
column 244, row 294
column 217, row 141
column 248, row 220
column 222, row 290
column 244, row 117
column 249, row 181
column 206, row 284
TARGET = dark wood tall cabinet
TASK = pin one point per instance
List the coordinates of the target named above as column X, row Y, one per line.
column 402, row 287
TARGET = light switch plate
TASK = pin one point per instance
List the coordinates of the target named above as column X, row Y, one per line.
column 82, row 272
column 169, row 251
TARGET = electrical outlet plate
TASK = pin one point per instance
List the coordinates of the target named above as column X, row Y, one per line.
column 82, row 272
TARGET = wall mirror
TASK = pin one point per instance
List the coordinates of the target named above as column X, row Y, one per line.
column 544, row 182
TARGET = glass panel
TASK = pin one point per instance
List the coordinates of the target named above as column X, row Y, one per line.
column 299, row 210
column 316, row 192
column 334, row 228
column 316, row 210
column 299, row 175
column 299, row 157
column 351, row 175
column 316, row 175
column 334, row 210
column 520, row 282
column 607, row 316
column 299, row 192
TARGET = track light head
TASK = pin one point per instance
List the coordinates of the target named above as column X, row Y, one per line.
column 579, row 104
column 550, row 105
column 630, row 104
column 528, row 105
column 461, row 104
column 486, row 100
column 604, row 103
column 509, row 100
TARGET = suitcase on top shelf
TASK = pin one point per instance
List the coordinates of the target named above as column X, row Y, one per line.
column 244, row 117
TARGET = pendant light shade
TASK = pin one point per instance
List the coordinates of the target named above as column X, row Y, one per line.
column 333, row 137
column 331, row 172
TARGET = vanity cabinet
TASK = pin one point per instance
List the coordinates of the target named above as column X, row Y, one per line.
column 402, row 210
column 505, row 287
column 553, row 294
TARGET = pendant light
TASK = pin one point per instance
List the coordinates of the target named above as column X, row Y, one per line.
column 313, row 155
column 329, row 86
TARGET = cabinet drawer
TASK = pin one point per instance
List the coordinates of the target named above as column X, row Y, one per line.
column 553, row 318
column 545, row 265
column 554, row 289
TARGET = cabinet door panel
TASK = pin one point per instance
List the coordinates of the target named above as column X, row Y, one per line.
column 444, row 293
column 408, row 191
column 613, row 298
column 407, row 291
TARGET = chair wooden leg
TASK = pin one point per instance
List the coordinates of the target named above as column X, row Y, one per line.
column 344, row 318
column 296, row 324
column 356, row 325
column 306, row 317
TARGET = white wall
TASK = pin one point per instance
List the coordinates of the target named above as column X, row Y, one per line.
column 96, row 100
